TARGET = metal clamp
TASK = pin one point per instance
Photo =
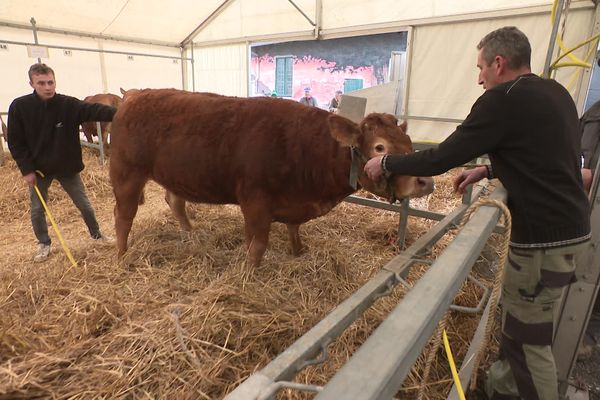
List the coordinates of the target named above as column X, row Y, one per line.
column 273, row 388
column 479, row 307
column 321, row 358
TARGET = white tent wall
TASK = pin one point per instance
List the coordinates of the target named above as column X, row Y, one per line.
column 83, row 73
column 441, row 80
column 443, row 74
column 222, row 69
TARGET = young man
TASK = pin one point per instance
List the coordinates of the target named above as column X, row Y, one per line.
column 308, row 100
column 43, row 135
column 530, row 129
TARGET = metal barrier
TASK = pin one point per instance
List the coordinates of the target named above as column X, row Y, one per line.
column 99, row 146
column 378, row 368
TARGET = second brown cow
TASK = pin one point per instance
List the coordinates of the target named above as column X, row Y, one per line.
column 89, row 128
column 279, row 160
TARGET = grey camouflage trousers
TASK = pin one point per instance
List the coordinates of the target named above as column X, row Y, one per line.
column 533, row 285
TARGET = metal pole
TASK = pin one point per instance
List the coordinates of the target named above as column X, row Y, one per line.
column 193, row 67
column 550, row 52
column 35, row 38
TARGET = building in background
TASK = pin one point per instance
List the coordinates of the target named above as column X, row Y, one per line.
column 325, row 66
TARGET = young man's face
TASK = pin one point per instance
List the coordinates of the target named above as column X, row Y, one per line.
column 44, row 85
column 488, row 74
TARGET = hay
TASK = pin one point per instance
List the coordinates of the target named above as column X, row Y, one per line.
column 180, row 317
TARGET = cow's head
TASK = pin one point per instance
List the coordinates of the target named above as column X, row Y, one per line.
column 128, row 93
column 380, row 134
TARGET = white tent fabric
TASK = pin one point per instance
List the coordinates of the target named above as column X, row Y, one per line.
column 441, row 79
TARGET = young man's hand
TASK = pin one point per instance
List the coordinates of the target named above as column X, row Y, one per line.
column 30, row 179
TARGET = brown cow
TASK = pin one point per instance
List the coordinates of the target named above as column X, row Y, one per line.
column 89, row 128
column 279, row 160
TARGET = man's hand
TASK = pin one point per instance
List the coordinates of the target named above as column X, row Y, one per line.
column 373, row 168
column 30, row 179
column 586, row 176
column 467, row 177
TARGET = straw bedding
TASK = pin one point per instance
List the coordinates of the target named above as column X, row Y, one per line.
column 181, row 317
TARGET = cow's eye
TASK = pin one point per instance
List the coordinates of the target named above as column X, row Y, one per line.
column 379, row 148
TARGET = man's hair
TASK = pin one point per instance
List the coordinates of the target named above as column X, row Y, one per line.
column 39, row 69
column 508, row 42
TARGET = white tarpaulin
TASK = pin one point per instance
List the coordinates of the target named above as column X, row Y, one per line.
column 145, row 43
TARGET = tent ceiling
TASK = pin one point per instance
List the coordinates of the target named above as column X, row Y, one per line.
column 144, row 20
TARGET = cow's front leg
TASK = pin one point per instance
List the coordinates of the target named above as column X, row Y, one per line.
column 128, row 194
column 294, row 235
column 257, row 224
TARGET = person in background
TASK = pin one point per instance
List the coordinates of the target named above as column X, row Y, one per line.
column 308, row 99
column 529, row 127
column 590, row 150
column 334, row 104
column 43, row 138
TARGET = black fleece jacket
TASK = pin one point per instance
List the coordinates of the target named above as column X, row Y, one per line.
column 44, row 135
column 530, row 129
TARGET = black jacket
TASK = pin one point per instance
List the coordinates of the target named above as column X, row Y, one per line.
column 44, row 135
column 530, row 129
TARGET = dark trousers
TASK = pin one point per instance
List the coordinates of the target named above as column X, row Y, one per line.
column 74, row 187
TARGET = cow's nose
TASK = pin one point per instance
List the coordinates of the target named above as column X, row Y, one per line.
column 426, row 184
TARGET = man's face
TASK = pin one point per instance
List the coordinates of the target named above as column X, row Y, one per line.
column 488, row 74
column 44, row 85
column 307, row 94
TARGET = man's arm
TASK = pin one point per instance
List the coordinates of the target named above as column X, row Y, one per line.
column 94, row 111
column 480, row 133
column 17, row 143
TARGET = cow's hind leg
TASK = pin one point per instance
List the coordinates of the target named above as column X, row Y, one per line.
column 127, row 194
column 294, row 235
column 177, row 205
column 105, row 139
column 257, row 224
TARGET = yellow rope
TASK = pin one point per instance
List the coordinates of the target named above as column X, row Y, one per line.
column 60, row 238
column 459, row 388
column 495, row 295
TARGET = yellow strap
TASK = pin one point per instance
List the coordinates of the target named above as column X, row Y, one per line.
column 60, row 238
column 459, row 389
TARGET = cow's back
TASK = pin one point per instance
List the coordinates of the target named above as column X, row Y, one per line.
column 217, row 149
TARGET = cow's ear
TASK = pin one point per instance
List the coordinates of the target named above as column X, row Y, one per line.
column 403, row 126
column 123, row 91
column 343, row 130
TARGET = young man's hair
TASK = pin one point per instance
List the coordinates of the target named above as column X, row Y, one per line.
column 508, row 42
column 39, row 69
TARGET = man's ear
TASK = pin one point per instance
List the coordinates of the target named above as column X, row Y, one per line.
column 343, row 130
column 501, row 65
column 31, row 84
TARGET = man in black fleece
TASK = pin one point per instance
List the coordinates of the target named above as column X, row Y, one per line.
column 43, row 137
column 530, row 129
